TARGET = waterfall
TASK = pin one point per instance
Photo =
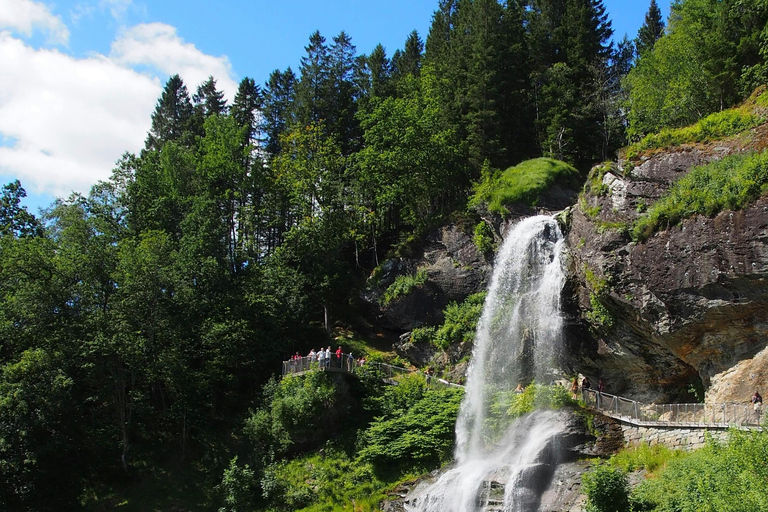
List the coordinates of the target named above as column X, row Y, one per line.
column 518, row 340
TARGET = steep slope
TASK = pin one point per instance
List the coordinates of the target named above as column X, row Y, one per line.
column 684, row 310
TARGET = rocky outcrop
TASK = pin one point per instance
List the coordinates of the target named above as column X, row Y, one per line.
column 683, row 312
column 454, row 267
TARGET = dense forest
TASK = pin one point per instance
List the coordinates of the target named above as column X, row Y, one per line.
column 139, row 323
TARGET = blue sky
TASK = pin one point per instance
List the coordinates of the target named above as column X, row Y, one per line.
column 81, row 77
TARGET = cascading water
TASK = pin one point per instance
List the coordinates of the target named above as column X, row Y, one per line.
column 518, row 340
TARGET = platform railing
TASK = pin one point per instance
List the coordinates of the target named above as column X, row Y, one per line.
column 348, row 364
column 712, row 414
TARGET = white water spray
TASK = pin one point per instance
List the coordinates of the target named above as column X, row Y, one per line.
column 518, row 340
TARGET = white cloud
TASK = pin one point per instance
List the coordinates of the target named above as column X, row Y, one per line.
column 117, row 8
column 24, row 16
column 157, row 45
column 64, row 121
column 69, row 119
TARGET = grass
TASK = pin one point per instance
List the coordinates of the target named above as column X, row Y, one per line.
column 403, row 285
column 643, row 457
column 523, row 184
column 713, row 127
column 728, row 184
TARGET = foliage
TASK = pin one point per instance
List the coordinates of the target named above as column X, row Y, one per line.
column 726, row 477
column 708, row 60
column 299, row 411
column 237, row 487
column 599, row 315
column 643, row 457
column 713, row 127
column 330, row 481
column 459, row 325
column 727, row 184
column 524, row 183
column 403, row 285
column 417, row 438
column 483, row 238
column 607, row 489
column 506, row 405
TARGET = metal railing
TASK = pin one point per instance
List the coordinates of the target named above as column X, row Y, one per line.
column 347, row 364
column 697, row 415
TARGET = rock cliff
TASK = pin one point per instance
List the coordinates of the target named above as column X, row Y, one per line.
column 682, row 313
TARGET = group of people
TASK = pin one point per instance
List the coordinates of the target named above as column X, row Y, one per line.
column 585, row 385
column 326, row 359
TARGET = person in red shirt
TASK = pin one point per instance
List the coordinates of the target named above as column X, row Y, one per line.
column 338, row 357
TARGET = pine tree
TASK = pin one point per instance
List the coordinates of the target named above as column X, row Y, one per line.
column 208, row 100
column 247, row 102
column 172, row 115
column 380, row 72
column 408, row 61
column 342, row 101
column 651, row 31
column 279, row 108
column 314, row 85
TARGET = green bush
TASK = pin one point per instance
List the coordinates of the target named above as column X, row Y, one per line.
column 523, row 183
column 418, row 438
column 459, row 326
column 296, row 411
column 607, row 490
column 506, row 405
column 460, row 321
column 483, row 238
column 728, row 184
column 403, row 285
column 717, row 478
column 236, row 487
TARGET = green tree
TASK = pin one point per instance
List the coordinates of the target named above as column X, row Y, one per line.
column 172, row 116
column 651, row 30
column 15, row 220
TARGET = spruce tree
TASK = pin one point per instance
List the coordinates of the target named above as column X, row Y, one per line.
column 651, row 31
column 247, row 102
column 172, row 115
column 278, row 112
column 314, row 85
column 408, row 61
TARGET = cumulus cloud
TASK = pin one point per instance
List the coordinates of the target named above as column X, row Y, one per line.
column 69, row 119
column 26, row 16
column 64, row 121
column 157, row 46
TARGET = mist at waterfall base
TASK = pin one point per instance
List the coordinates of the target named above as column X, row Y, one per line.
column 518, row 340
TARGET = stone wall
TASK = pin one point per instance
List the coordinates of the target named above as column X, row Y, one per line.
column 677, row 438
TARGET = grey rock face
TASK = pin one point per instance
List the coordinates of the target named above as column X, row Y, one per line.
column 454, row 267
column 683, row 307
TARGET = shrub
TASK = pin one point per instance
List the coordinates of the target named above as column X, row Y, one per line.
column 403, row 285
column 523, row 183
column 417, row 438
column 716, row 478
column 460, row 321
column 483, row 238
column 607, row 489
column 728, row 184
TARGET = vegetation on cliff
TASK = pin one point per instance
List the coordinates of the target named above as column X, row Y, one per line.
column 522, row 184
column 722, row 477
column 139, row 322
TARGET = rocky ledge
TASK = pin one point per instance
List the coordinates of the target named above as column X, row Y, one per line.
column 683, row 313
